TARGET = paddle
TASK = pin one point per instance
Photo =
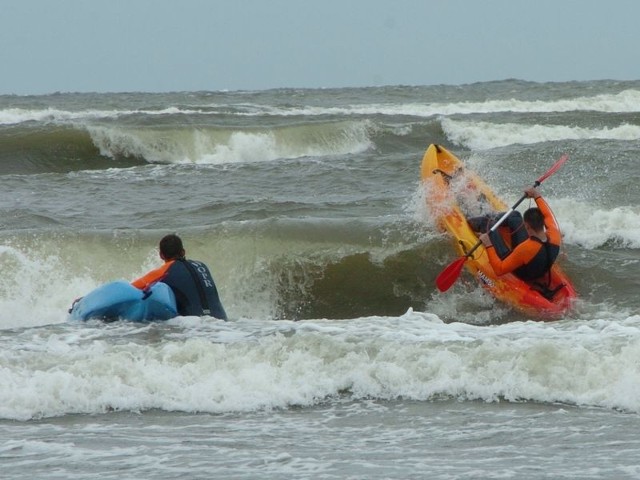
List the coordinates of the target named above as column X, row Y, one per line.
column 450, row 274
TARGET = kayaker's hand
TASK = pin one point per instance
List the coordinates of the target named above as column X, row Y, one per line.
column 531, row 192
column 484, row 238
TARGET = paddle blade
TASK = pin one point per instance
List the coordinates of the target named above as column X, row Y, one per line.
column 450, row 274
column 553, row 169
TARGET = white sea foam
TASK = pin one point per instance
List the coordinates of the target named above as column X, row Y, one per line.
column 594, row 227
column 36, row 288
column 200, row 366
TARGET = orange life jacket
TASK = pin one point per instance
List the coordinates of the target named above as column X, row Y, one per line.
column 153, row 276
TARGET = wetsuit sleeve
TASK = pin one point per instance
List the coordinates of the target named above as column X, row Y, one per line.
column 551, row 225
column 151, row 277
column 520, row 255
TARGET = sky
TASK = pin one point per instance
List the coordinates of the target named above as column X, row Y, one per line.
column 187, row 45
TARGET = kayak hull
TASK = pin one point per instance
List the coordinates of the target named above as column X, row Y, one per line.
column 120, row 300
column 446, row 180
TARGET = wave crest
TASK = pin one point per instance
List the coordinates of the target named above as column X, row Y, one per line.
column 487, row 135
column 210, row 145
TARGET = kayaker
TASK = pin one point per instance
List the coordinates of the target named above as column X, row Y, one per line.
column 191, row 281
column 533, row 254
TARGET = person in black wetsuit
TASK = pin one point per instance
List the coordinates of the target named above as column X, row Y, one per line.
column 191, row 281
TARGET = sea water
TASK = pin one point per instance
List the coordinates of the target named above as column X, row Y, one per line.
column 341, row 359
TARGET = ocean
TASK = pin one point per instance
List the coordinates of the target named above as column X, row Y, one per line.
column 341, row 359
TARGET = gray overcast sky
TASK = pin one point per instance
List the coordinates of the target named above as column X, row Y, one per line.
column 175, row 45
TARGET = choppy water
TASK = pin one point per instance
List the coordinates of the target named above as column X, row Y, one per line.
column 341, row 359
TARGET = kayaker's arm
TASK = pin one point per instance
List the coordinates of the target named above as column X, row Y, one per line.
column 552, row 229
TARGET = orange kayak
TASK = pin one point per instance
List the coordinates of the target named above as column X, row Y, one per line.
column 452, row 191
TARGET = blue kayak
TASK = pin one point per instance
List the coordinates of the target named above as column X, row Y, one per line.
column 120, row 300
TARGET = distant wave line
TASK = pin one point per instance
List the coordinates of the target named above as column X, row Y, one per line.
column 623, row 102
column 14, row 116
column 626, row 101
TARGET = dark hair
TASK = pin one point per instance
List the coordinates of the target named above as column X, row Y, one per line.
column 534, row 218
column 171, row 247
